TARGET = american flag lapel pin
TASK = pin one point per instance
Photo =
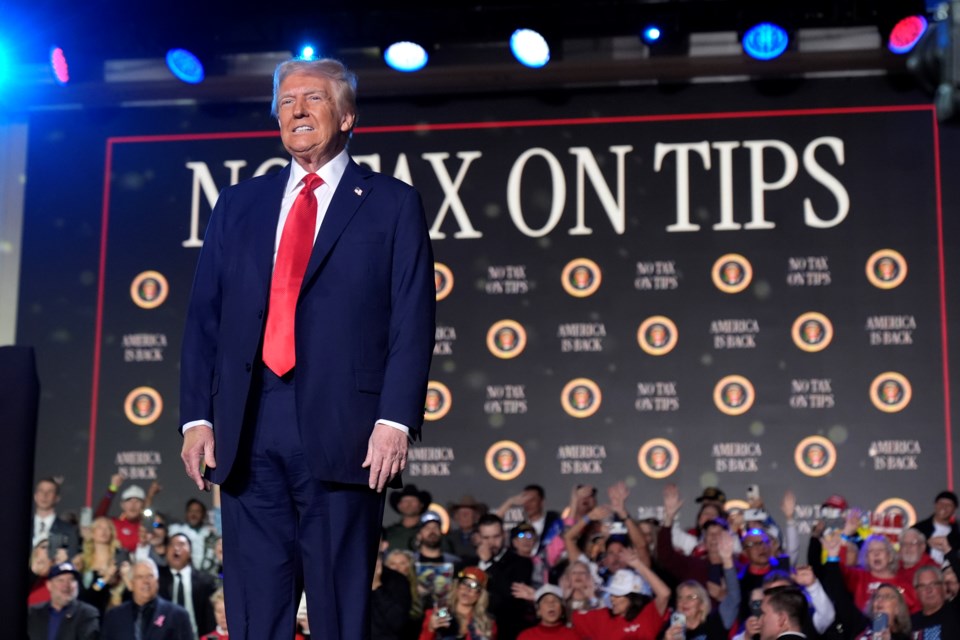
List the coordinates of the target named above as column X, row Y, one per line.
column 358, row 191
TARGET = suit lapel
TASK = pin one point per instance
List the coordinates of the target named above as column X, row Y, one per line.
column 265, row 215
column 350, row 194
column 159, row 621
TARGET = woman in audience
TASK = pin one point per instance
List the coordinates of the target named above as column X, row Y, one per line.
column 698, row 619
column 579, row 588
column 401, row 561
column 465, row 615
column 104, row 562
column 888, row 602
column 630, row 616
column 220, row 615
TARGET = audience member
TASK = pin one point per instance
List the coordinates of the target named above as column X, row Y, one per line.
column 700, row 620
column 465, row 514
column 197, row 528
column 428, row 543
column 153, row 540
column 221, row 632
column 64, row 536
column 630, row 616
column 524, row 542
column 505, row 569
column 583, row 500
column 941, row 530
column 937, row 617
column 410, row 503
column 579, row 588
column 465, row 615
column 822, row 614
column 63, row 617
column 146, row 615
column 550, row 611
column 133, row 501
column 401, row 561
column 182, row 584
column 104, row 561
column 758, row 551
column 782, row 612
column 913, row 554
column 887, row 600
column 547, row 524
column 389, row 603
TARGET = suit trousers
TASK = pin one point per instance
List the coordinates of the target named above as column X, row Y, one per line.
column 285, row 531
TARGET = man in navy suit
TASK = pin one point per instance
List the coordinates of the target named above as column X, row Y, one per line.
column 145, row 616
column 304, row 375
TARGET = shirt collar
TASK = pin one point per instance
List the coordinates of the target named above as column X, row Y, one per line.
column 330, row 172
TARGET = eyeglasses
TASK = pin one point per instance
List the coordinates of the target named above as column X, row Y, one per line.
column 525, row 534
column 929, row 585
column 471, row 584
column 753, row 543
column 159, row 525
column 689, row 596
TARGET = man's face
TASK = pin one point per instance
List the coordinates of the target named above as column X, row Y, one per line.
column 63, row 590
column 930, row 591
column 532, row 503
column 771, row 622
column 911, row 548
column 757, row 549
column 524, row 543
column 492, row 536
column 550, row 610
column 430, row 535
column 951, row 585
column 612, row 557
column 943, row 510
column 311, row 125
column 178, row 553
column 132, row 508
column 713, row 536
column 465, row 518
column 409, row 506
column 145, row 584
column 45, row 496
column 195, row 514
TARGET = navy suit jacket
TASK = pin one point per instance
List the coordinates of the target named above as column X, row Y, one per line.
column 170, row 622
column 364, row 324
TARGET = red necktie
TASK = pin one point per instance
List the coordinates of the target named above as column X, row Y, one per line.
column 296, row 243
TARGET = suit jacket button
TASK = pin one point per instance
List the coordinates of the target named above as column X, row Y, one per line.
column 247, row 367
column 260, row 314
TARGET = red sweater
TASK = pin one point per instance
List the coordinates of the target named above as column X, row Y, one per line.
column 541, row 632
column 861, row 584
column 598, row 624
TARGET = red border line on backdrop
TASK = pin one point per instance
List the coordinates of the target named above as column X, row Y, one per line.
column 461, row 126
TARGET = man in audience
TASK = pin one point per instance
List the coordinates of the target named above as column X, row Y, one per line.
column 200, row 532
column 46, row 524
column 180, row 583
column 782, row 613
column 64, row 617
column 146, row 615
column 429, row 543
column 133, row 501
column 504, row 569
column 465, row 514
column 532, row 501
column 760, row 561
column 937, row 618
column 410, row 503
column 940, row 529
column 913, row 554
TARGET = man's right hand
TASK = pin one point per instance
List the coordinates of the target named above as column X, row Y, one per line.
column 197, row 447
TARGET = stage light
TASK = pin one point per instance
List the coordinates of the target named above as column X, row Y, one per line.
column 765, row 41
column 906, row 34
column 58, row 64
column 530, row 48
column 308, row 52
column 185, row 66
column 405, row 56
column 651, row 34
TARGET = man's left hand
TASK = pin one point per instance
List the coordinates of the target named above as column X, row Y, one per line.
column 386, row 455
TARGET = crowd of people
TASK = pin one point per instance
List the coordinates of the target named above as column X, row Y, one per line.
column 592, row 572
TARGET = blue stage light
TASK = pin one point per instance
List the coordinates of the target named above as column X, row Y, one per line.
column 765, row 41
column 907, row 33
column 405, row 56
column 651, row 34
column 185, row 66
column 530, row 48
column 308, row 52
column 58, row 64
